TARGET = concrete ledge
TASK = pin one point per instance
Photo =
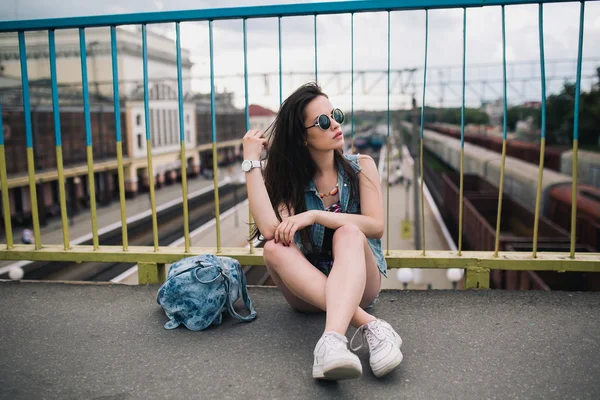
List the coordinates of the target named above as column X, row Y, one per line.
column 66, row 341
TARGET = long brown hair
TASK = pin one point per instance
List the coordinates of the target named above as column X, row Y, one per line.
column 289, row 165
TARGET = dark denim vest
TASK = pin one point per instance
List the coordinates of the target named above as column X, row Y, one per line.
column 314, row 202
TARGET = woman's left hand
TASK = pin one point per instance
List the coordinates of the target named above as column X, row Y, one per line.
column 287, row 228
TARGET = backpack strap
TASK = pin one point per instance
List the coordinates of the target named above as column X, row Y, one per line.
column 245, row 297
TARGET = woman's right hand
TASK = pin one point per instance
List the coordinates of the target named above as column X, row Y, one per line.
column 253, row 143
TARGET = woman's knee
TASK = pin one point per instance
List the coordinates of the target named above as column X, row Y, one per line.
column 348, row 232
column 271, row 250
column 274, row 253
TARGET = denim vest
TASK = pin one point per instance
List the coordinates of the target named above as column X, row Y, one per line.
column 314, row 202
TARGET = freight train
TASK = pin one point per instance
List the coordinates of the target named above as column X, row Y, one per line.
column 520, row 183
column 522, row 150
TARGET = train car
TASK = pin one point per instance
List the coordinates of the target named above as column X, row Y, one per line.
column 474, row 186
column 448, row 149
column 521, row 180
column 480, row 208
column 520, row 177
column 530, row 152
column 588, row 166
column 588, row 212
column 523, row 150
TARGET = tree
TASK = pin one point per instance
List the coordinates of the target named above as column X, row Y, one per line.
column 560, row 110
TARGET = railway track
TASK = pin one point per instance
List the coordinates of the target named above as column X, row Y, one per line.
column 170, row 228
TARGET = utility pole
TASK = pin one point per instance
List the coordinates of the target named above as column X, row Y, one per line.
column 416, row 157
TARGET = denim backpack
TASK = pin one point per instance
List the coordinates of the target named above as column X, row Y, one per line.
column 199, row 289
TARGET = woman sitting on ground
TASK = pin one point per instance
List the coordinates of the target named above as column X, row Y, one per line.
column 321, row 213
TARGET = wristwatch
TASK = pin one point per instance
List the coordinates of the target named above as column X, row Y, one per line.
column 247, row 165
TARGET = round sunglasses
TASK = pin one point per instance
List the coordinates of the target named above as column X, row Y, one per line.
column 324, row 122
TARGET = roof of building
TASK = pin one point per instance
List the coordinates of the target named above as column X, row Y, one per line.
column 259, row 111
column 108, row 341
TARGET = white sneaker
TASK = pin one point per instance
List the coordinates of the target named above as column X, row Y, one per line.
column 384, row 346
column 333, row 360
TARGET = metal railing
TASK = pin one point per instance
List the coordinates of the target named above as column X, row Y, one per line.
column 150, row 260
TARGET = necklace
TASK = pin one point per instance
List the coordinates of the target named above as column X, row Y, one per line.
column 333, row 192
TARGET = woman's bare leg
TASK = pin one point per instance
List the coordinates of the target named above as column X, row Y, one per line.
column 305, row 288
column 347, row 280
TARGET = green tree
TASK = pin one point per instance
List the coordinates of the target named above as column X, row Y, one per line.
column 560, row 110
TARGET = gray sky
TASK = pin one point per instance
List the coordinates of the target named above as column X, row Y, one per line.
column 561, row 24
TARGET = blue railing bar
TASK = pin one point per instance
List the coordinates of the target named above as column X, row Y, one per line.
column 115, row 72
column 119, row 145
column 578, row 79
column 464, row 81
column 54, row 84
column 180, row 84
column 543, row 131
column 246, row 77
column 272, row 11
column 505, row 100
column 576, row 132
column 542, row 70
column 145, row 79
column 389, row 57
column 352, row 72
column 316, row 52
column 212, row 86
column 214, row 135
column 280, row 70
column 504, row 129
column 247, row 106
column 388, row 81
column 57, row 139
column 462, row 133
column 25, row 88
column 422, row 207
column 183, row 163
column 149, row 144
column 84, row 88
column 424, row 73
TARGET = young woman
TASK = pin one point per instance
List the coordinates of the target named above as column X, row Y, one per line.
column 321, row 214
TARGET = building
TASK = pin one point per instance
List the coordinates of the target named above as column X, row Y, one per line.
column 495, row 109
column 532, row 104
column 163, row 117
column 260, row 117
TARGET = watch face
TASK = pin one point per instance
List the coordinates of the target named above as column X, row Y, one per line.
column 246, row 165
